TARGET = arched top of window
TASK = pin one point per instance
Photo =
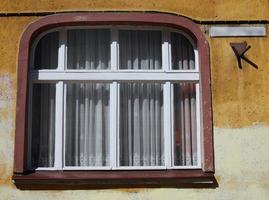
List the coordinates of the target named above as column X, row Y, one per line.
column 84, row 45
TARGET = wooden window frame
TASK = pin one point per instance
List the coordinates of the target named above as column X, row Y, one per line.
column 23, row 177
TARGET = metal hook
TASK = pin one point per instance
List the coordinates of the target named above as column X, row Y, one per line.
column 240, row 49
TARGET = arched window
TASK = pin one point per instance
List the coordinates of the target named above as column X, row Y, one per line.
column 114, row 92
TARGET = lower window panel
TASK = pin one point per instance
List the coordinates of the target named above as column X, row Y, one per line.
column 185, row 124
column 87, row 124
column 43, row 125
column 141, row 124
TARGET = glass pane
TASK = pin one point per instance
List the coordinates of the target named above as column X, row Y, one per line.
column 140, row 49
column 43, row 125
column 185, row 130
column 87, row 124
column 88, row 49
column 141, row 124
column 182, row 52
column 46, row 52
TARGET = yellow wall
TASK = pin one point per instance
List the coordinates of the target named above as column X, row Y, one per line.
column 240, row 100
column 198, row 9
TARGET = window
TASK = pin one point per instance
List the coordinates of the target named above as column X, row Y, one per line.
column 115, row 98
column 123, row 101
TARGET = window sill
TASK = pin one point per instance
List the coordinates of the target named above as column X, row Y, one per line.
column 114, row 179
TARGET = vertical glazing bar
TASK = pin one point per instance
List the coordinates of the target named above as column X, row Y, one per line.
column 198, row 125
column 172, row 126
column 167, row 125
column 59, row 115
column 64, row 124
column 59, row 125
column 196, row 59
column 113, row 125
column 62, row 49
column 166, row 58
column 114, row 49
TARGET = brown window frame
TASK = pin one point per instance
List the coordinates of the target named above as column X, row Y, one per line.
column 23, row 177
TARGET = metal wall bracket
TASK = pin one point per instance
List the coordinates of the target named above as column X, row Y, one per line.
column 240, row 49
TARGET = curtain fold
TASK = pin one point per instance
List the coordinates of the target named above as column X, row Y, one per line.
column 140, row 49
column 88, row 49
column 87, row 124
column 182, row 52
column 185, row 131
column 43, row 125
column 141, row 124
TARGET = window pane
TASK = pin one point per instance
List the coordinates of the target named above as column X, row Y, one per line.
column 182, row 52
column 140, row 49
column 88, row 49
column 87, row 124
column 43, row 125
column 185, row 131
column 141, row 124
column 46, row 52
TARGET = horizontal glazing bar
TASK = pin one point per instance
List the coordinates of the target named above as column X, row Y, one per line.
column 115, row 76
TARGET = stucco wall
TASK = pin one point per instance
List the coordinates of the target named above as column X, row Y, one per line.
column 198, row 9
column 240, row 102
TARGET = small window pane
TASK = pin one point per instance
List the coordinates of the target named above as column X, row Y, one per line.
column 87, row 124
column 185, row 130
column 46, row 52
column 43, row 125
column 88, row 49
column 141, row 124
column 182, row 53
column 140, row 49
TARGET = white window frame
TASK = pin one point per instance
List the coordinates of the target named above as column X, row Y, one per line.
column 167, row 76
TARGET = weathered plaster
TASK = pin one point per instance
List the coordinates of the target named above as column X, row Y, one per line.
column 198, row 9
column 241, row 157
column 240, row 97
column 240, row 100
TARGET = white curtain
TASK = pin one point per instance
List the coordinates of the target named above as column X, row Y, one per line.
column 43, row 125
column 182, row 52
column 185, row 131
column 141, row 124
column 140, row 49
column 87, row 124
column 46, row 52
column 88, row 49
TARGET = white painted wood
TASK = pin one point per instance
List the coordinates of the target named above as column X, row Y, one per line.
column 198, row 125
column 86, row 168
column 167, row 124
column 118, row 125
column 172, row 127
column 140, row 168
column 196, row 60
column 113, row 124
column 114, row 49
column 46, row 169
column 236, row 31
column 64, row 124
column 58, row 154
column 186, row 167
column 116, row 76
column 166, row 60
column 62, row 50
